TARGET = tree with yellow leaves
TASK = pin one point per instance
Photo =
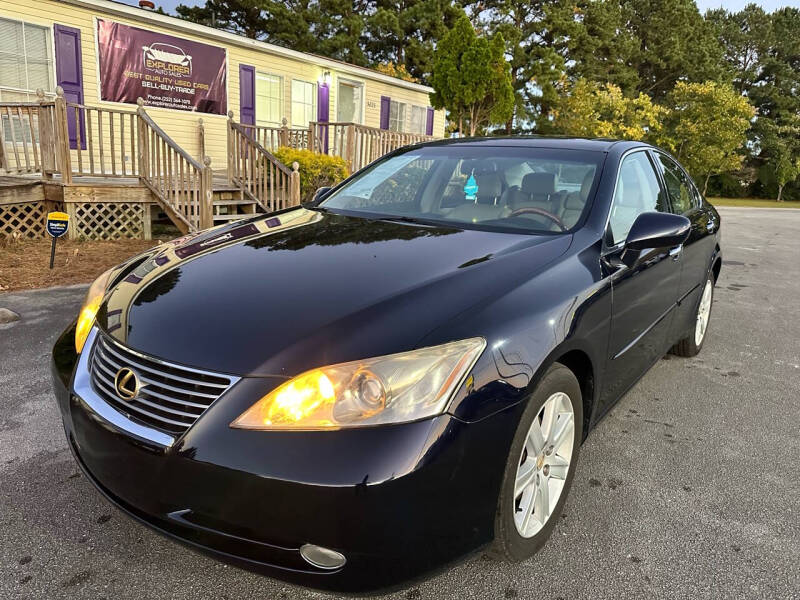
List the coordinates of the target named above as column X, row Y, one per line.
column 587, row 109
column 706, row 128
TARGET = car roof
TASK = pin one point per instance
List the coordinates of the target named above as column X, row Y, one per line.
column 535, row 141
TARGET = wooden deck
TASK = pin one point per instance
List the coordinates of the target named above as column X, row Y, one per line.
column 27, row 198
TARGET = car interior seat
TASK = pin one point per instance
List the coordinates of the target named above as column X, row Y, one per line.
column 537, row 190
column 628, row 204
column 490, row 188
column 575, row 202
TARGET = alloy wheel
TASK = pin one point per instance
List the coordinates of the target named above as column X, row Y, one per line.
column 703, row 313
column 544, row 464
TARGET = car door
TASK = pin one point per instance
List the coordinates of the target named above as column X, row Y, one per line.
column 643, row 296
column 685, row 199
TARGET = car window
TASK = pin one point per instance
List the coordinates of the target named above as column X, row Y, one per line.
column 516, row 188
column 637, row 191
column 682, row 193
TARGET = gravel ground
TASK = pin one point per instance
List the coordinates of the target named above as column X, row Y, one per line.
column 690, row 487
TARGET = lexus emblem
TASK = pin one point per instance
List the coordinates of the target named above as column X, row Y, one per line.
column 126, row 383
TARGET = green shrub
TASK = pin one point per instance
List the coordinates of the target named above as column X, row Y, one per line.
column 316, row 170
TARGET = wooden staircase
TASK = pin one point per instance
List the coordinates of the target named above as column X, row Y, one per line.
column 228, row 204
column 120, row 149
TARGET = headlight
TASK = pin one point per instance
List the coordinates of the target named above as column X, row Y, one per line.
column 91, row 304
column 388, row 389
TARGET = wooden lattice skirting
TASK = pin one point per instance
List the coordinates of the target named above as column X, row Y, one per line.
column 109, row 220
column 25, row 219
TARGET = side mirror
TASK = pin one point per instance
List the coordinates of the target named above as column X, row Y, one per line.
column 654, row 230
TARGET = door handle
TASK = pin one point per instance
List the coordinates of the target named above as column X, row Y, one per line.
column 675, row 252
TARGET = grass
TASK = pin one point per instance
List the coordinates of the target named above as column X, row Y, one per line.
column 25, row 264
column 754, row 202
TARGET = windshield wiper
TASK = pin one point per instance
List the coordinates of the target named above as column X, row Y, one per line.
column 406, row 219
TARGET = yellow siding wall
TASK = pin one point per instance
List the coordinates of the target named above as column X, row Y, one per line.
column 182, row 126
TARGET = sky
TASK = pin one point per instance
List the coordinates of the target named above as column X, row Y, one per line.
column 733, row 5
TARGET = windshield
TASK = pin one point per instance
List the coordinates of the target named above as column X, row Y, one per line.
column 505, row 188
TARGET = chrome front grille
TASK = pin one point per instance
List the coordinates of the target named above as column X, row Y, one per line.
column 170, row 397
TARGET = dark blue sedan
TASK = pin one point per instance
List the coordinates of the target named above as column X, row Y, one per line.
column 355, row 392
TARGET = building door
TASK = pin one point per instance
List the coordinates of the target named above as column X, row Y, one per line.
column 349, row 102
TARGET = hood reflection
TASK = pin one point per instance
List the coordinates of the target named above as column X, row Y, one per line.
column 140, row 287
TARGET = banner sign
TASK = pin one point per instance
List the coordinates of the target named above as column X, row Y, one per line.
column 57, row 223
column 165, row 71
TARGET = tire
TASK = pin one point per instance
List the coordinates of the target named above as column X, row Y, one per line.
column 559, row 389
column 693, row 343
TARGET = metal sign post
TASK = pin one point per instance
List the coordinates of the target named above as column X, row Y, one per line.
column 57, row 224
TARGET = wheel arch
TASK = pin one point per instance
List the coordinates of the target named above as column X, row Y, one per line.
column 716, row 268
column 579, row 362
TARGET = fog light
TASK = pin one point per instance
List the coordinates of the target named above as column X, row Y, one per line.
column 323, row 558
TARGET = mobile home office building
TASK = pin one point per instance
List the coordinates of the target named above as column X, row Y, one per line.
column 109, row 54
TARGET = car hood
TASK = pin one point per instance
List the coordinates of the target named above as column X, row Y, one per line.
column 280, row 294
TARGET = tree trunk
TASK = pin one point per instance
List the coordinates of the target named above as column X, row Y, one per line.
column 780, row 193
column 460, row 125
column 705, row 185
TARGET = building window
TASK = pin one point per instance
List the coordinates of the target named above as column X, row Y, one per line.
column 419, row 119
column 397, row 116
column 348, row 101
column 269, row 99
column 303, row 103
column 26, row 60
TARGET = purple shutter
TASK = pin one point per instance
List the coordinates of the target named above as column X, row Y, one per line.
column 323, row 112
column 247, row 95
column 386, row 105
column 69, row 75
column 429, row 122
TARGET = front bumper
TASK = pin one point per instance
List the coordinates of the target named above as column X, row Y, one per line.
column 397, row 501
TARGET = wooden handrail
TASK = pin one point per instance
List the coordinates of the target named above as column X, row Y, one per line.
column 169, row 141
column 258, row 173
column 358, row 144
column 24, row 104
column 182, row 184
column 29, row 127
column 105, row 141
column 274, row 137
column 241, row 129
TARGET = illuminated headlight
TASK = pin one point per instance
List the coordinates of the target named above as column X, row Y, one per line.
column 389, row 389
column 91, row 304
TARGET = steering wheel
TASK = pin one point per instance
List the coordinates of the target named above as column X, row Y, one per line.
column 532, row 210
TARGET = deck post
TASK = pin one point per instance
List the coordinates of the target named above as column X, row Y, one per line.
column 63, row 162
column 45, row 136
column 201, row 130
column 206, row 194
column 230, row 147
column 141, row 141
column 294, row 185
column 312, row 130
column 284, row 133
column 350, row 148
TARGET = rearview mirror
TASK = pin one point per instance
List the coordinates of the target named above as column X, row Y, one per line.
column 657, row 230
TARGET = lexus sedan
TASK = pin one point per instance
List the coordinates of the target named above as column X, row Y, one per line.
column 355, row 392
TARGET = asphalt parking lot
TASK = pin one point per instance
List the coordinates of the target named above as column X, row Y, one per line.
column 689, row 488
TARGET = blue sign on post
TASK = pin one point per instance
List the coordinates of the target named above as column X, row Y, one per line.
column 57, row 225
